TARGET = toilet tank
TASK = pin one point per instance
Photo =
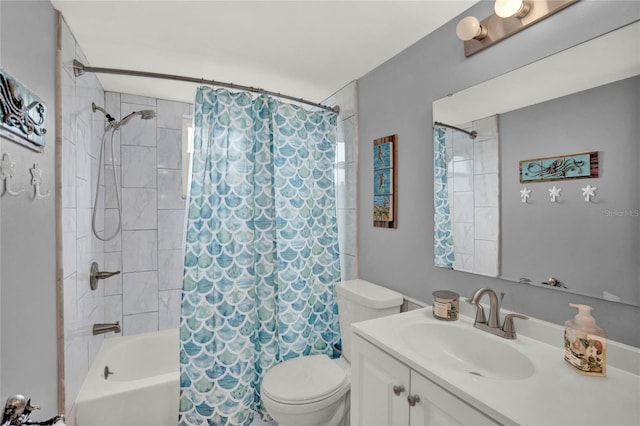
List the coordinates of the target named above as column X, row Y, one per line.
column 360, row 300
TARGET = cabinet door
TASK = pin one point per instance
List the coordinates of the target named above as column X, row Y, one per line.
column 374, row 374
column 439, row 407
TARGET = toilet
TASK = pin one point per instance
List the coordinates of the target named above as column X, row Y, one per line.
column 314, row 390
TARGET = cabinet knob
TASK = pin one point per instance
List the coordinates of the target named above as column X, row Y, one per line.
column 413, row 400
column 398, row 389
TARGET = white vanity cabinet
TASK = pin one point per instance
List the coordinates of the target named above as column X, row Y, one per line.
column 385, row 392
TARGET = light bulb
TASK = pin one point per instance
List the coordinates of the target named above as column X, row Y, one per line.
column 469, row 28
column 509, row 8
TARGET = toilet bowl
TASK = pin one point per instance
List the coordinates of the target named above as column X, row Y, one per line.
column 314, row 390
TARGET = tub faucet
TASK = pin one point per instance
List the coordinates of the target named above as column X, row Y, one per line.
column 106, row 328
column 492, row 325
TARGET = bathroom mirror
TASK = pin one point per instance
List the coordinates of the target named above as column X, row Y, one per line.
column 583, row 99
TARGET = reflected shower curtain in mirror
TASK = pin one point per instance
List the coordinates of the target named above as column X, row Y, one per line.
column 443, row 254
column 261, row 256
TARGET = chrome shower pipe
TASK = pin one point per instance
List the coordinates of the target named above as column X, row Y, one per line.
column 79, row 68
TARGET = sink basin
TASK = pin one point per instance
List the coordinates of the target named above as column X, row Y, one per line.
column 467, row 350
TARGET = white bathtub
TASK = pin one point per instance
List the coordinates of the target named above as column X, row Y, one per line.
column 144, row 387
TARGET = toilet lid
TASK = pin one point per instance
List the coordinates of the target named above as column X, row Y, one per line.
column 304, row 379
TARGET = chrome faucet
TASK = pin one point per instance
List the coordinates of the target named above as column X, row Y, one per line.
column 106, row 328
column 492, row 325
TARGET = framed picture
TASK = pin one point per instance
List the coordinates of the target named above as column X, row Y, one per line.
column 385, row 182
column 563, row 167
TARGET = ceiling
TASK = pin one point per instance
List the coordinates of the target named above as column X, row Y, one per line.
column 303, row 48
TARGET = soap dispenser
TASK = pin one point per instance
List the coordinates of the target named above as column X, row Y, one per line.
column 585, row 344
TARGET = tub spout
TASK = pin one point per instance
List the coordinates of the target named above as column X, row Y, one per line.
column 106, row 328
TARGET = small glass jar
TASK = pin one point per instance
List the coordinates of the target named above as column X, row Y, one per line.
column 446, row 305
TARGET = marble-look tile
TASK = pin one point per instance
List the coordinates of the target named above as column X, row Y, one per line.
column 83, row 263
column 350, row 126
column 170, row 229
column 348, row 267
column 139, row 292
column 347, row 231
column 487, row 223
column 137, row 131
column 486, row 258
column 140, row 251
column 139, row 209
column 68, row 47
column 169, row 149
column 83, row 194
column 113, row 312
column 463, row 211
column 68, row 174
column 341, row 152
column 463, row 176
column 170, row 269
column 138, row 167
column 170, row 189
column 76, row 363
column 169, row 309
column 351, row 182
column 110, row 225
column 70, row 303
column 136, row 99
column 82, row 154
column 487, row 128
column 139, row 323
column 463, row 239
column 112, row 149
column 463, row 262
column 448, row 138
column 171, row 113
column 449, row 161
column 486, row 189
column 83, row 222
column 68, row 107
column 112, row 263
column 345, row 98
column 485, row 157
column 110, row 201
column 462, row 147
column 69, row 240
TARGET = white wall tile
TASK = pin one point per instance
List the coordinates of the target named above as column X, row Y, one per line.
column 487, row 223
column 68, row 174
column 170, row 189
column 463, row 239
column 69, row 241
column 169, row 309
column 140, row 323
column 170, row 229
column 346, row 224
column 170, row 114
column 486, row 258
column 113, row 312
column 169, row 149
column 463, row 262
column 487, row 127
column 110, row 225
column 138, row 167
column 136, row 99
column 348, row 267
column 139, row 292
column 83, row 165
column 170, row 269
column 139, row 251
column 486, row 157
column 462, row 146
column 463, row 175
column 139, row 209
column 486, row 190
column 463, row 211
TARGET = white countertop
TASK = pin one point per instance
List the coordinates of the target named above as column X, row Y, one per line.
column 554, row 395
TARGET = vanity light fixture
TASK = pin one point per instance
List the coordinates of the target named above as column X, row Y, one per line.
column 510, row 17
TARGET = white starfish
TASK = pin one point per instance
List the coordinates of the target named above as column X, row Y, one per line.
column 588, row 192
column 525, row 194
column 554, row 193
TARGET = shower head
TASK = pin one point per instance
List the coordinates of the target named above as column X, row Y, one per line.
column 145, row 114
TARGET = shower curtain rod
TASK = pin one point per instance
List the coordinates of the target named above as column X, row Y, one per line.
column 473, row 134
column 79, row 68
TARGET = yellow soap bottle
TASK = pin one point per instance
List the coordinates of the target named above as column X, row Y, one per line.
column 585, row 344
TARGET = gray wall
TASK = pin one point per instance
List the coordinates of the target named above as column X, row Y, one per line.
column 396, row 98
column 582, row 244
column 28, row 280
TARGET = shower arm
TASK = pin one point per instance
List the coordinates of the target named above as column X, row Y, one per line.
column 79, row 69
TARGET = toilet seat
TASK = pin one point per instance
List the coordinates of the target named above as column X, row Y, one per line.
column 305, row 380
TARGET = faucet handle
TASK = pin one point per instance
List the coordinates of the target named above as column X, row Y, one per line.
column 508, row 327
column 480, row 316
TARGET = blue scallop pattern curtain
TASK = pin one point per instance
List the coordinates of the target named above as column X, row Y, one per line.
column 261, row 254
column 443, row 254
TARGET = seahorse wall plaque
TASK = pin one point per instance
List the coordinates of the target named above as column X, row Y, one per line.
column 22, row 114
column 562, row 167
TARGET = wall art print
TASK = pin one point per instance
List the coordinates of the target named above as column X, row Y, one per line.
column 573, row 166
column 22, row 114
column 385, row 182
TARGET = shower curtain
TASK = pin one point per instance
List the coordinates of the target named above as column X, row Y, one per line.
column 443, row 254
column 261, row 256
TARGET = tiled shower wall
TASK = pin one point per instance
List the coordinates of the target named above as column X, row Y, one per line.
column 148, row 249
column 346, row 176
column 81, row 133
